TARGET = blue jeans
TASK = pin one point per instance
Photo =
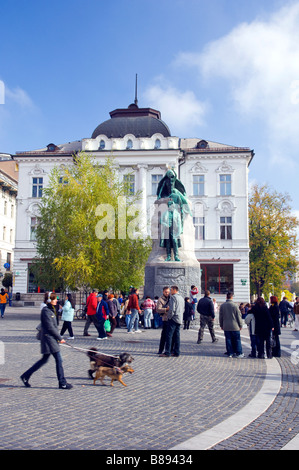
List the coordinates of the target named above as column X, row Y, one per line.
column 2, row 308
column 134, row 320
column 172, row 338
column 147, row 317
column 233, row 342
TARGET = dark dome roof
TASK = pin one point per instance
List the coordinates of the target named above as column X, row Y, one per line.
column 140, row 122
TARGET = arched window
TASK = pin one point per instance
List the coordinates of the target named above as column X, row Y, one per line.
column 157, row 144
column 102, row 144
column 129, row 144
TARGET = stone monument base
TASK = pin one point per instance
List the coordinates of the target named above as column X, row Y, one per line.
column 181, row 274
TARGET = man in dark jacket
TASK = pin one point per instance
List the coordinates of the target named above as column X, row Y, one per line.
column 285, row 308
column 205, row 308
column 50, row 339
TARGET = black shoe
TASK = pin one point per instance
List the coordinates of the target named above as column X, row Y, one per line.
column 215, row 340
column 25, row 381
column 199, row 341
column 66, row 386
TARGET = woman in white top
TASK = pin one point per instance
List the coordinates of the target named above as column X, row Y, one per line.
column 68, row 316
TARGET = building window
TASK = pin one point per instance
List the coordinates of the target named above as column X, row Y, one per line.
column 102, row 145
column 157, row 144
column 198, row 185
column 199, row 224
column 11, row 236
column 12, row 211
column 37, row 187
column 155, row 182
column 217, row 278
column 33, row 223
column 4, row 233
column 129, row 144
column 225, row 185
column 63, row 180
column 130, row 181
column 225, row 228
column 5, row 207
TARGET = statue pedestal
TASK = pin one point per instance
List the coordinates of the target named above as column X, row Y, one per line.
column 160, row 273
column 181, row 274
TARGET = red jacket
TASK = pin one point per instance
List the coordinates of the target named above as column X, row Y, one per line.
column 133, row 302
column 92, row 303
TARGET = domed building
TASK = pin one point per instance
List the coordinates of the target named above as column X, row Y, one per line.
column 215, row 176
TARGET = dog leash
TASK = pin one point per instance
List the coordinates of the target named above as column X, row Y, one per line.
column 87, row 350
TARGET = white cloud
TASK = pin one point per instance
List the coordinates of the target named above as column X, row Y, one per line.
column 19, row 97
column 181, row 110
column 260, row 63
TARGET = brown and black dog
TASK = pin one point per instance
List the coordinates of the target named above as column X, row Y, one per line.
column 115, row 373
column 102, row 360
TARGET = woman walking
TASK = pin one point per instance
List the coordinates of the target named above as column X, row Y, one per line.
column 68, row 316
column 50, row 339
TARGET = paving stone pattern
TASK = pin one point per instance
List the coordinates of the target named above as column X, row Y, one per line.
column 167, row 400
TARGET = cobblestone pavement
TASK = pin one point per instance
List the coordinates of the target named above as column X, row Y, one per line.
column 167, row 401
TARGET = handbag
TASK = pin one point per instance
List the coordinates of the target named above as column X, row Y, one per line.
column 107, row 325
column 272, row 340
column 39, row 332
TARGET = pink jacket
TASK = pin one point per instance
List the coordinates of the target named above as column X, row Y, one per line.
column 148, row 303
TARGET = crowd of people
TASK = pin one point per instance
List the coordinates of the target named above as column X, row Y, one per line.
column 106, row 311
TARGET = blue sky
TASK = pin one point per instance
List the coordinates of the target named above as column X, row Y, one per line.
column 222, row 70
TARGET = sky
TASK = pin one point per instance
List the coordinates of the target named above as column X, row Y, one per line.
column 220, row 70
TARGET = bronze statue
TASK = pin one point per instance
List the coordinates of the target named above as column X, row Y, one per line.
column 172, row 220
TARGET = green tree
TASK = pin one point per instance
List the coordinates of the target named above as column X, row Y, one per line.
column 82, row 236
column 7, row 280
column 272, row 235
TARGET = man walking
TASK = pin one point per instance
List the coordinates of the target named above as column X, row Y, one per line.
column 230, row 320
column 162, row 309
column 91, row 303
column 205, row 308
column 175, row 319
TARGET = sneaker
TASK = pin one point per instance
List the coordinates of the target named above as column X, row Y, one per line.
column 239, row 356
column 66, row 386
column 101, row 339
column 130, row 332
column 25, row 381
column 71, row 337
column 199, row 341
column 215, row 340
column 138, row 331
column 230, row 355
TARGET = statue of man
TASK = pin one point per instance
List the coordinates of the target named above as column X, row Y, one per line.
column 172, row 220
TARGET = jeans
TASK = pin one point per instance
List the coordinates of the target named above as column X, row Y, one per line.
column 134, row 320
column 172, row 337
column 127, row 320
column 101, row 329
column 42, row 361
column 284, row 318
column 253, row 345
column 2, row 308
column 147, row 317
column 233, row 342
